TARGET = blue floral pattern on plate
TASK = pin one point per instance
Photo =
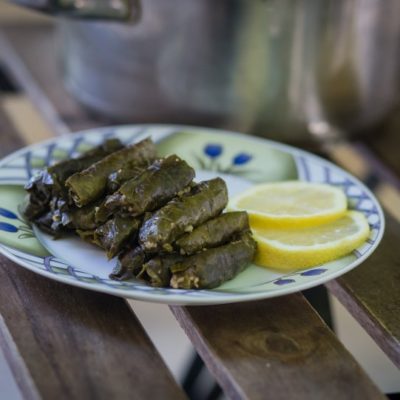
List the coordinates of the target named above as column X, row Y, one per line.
column 25, row 229
column 212, row 151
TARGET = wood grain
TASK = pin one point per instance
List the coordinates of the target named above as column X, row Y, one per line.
column 17, row 365
column 78, row 344
column 371, row 292
column 277, row 348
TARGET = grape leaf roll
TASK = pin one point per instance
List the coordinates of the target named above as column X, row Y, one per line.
column 50, row 181
column 158, row 184
column 91, row 183
column 114, row 234
column 210, row 268
column 206, row 200
column 213, row 232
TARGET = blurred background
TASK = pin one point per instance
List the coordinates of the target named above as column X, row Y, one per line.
column 309, row 73
column 287, row 70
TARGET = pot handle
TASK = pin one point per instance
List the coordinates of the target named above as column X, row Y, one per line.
column 120, row 10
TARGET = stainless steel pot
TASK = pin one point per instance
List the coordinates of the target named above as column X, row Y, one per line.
column 275, row 67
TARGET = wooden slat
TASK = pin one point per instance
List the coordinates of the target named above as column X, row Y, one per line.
column 371, row 292
column 67, row 343
column 274, row 349
column 76, row 344
column 21, row 375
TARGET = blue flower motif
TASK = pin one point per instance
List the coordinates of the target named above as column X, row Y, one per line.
column 241, row 158
column 4, row 226
column 213, row 150
column 313, row 272
column 7, row 214
column 284, row 281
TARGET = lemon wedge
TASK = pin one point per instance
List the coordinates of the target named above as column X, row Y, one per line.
column 291, row 204
column 291, row 249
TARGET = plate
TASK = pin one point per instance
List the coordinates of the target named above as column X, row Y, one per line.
column 240, row 159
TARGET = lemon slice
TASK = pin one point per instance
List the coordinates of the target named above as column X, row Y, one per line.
column 290, row 249
column 291, row 204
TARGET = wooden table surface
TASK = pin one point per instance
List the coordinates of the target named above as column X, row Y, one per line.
column 66, row 342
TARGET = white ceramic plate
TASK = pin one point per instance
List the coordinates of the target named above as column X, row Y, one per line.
column 241, row 160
